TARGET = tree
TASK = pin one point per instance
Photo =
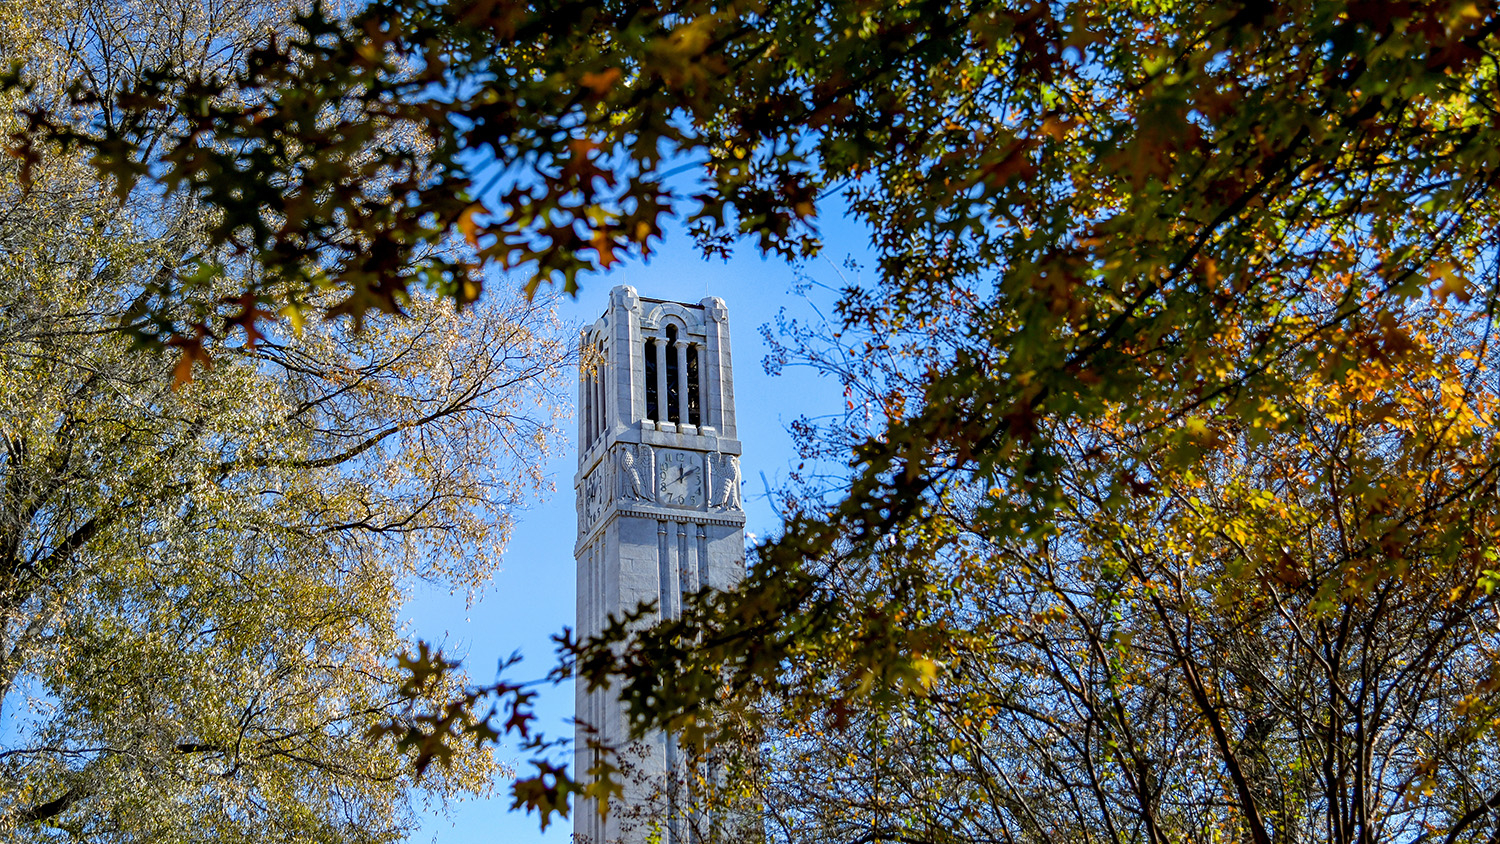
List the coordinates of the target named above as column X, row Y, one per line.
column 1277, row 636
column 200, row 583
column 1154, row 227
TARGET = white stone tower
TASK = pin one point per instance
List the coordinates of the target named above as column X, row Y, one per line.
column 659, row 511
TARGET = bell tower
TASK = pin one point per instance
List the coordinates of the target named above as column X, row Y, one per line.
column 659, row 514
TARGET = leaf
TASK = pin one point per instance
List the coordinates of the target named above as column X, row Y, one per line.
column 600, row 83
column 468, row 224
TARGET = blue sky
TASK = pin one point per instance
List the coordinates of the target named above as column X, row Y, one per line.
column 532, row 597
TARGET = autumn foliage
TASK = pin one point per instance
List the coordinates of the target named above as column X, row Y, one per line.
column 1179, row 510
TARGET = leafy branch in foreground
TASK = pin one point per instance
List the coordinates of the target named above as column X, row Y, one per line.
column 1144, row 247
column 434, row 725
column 346, row 154
column 1180, row 339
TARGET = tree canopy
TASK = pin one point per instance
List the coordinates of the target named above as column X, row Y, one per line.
column 1179, row 338
column 200, row 583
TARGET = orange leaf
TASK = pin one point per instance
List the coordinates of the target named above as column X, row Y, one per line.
column 604, row 245
column 468, row 225
column 601, row 82
column 182, row 372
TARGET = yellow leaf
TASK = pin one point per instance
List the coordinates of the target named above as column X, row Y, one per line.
column 293, row 315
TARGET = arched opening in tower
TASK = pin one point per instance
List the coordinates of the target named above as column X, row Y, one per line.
column 653, row 410
column 695, row 415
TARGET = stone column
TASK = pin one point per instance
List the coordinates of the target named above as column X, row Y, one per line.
column 598, row 387
column 701, row 569
column 627, row 353
column 593, row 353
column 598, row 409
column 664, row 579
column 583, row 398
column 716, row 373
column 682, row 385
column 663, row 398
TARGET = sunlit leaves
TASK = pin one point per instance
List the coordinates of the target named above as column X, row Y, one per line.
column 203, row 565
column 1181, row 310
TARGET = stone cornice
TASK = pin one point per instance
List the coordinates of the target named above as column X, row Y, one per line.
column 636, row 509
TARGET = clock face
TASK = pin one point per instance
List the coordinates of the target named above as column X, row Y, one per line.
column 679, row 478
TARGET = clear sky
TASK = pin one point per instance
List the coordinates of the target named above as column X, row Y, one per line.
column 533, row 596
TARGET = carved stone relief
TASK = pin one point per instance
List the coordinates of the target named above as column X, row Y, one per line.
column 715, row 309
column 593, row 495
column 635, row 472
column 727, row 483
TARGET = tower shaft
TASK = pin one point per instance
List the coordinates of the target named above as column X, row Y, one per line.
column 659, row 516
